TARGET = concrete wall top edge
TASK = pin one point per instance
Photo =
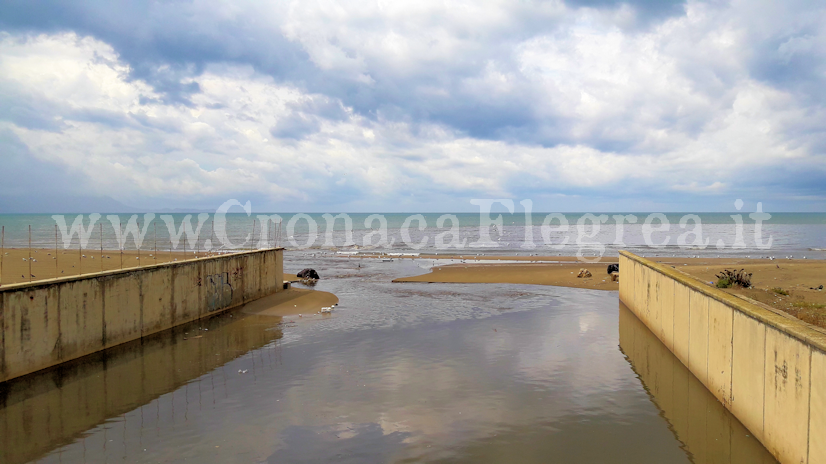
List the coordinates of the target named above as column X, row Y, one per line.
column 787, row 324
column 93, row 275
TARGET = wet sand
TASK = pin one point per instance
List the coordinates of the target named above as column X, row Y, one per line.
column 557, row 274
column 799, row 278
column 560, row 271
column 47, row 264
column 291, row 302
column 468, row 257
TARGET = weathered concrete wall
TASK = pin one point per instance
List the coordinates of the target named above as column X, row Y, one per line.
column 49, row 409
column 767, row 368
column 48, row 322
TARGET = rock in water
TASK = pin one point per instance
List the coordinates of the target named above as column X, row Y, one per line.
column 613, row 268
column 308, row 274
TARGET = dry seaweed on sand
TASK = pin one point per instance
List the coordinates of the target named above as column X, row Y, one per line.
column 730, row 278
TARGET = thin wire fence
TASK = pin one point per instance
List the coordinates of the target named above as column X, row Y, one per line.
column 93, row 248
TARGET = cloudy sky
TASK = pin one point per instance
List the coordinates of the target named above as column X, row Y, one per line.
column 594, row 105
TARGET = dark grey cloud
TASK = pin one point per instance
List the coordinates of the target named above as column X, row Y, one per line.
column 167, row 42
column 647, row 9
column 31, row 185
column 454, row 83
column 164, row 42
column 793, row 62
column 323, row 107
column 295, row 127
column 306, row 116
column 29, row 111
column 36, row 113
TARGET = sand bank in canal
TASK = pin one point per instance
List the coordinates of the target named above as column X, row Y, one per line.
column 787, row 285
column 558, row 274
column 291, row 302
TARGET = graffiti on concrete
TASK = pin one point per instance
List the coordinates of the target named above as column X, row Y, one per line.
column 219, row 291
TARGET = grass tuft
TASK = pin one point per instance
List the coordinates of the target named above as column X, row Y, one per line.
column 807, row 305
column 723, row 283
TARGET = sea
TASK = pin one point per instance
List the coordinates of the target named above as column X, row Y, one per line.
column 587, row 235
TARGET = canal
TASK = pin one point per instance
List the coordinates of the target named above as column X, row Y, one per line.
column 398, row 373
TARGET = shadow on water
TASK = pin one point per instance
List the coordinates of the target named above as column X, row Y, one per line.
column 708, row 431
column 49, row 409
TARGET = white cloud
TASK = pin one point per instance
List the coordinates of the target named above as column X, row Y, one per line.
column 583, row 105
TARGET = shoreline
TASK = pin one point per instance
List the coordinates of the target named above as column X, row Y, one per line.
column 553, row 274
column 789, row 285
column 291, row 302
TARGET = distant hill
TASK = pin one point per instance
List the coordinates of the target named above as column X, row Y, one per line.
column 62, row 204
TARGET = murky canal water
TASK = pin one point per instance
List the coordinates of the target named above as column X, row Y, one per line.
column 399, row 373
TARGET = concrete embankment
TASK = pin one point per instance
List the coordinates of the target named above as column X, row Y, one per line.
column 49, row 322
column 52, row 408
column 764, row 366
column 703, row 425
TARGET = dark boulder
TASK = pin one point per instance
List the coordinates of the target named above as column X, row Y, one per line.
column 308, row 274
column 613, row 268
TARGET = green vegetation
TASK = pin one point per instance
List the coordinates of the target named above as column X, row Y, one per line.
column 780, row 291
column 723, row 282
column 806, row 305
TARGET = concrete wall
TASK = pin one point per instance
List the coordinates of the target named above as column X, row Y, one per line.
column 49, row 322
column 49, row 409
column 767, row 368
column 707, row 430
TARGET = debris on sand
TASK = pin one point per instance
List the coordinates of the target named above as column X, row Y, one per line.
column 613, row 268
column 729, row 278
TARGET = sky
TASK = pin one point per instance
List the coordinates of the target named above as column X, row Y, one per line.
column 403, row 106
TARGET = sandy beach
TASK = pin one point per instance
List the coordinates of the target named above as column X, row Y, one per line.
column 787, row 285
column 48, row 264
